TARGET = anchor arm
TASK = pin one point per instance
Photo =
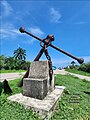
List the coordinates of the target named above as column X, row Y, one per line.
column 80, row 60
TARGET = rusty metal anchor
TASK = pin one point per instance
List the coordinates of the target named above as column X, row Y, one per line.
column 44, row 43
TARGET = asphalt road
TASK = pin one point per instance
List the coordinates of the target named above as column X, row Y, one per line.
column 11, row 76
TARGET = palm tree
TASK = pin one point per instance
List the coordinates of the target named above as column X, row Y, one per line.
column 73, row 63
column 20, row 54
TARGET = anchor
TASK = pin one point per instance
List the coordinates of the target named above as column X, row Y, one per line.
column 45, row 43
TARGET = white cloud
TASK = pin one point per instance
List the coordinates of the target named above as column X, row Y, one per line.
column 8, row 31
column 36, row 31
column 7, row 9
column 55, row 16
column 16, row 31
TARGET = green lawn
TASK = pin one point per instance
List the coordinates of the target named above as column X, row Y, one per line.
column 75, row 87
column 11, row 71
column 77, row 72
column 67, row 109
column 14, row 111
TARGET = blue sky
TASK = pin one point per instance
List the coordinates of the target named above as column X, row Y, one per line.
column 68, row 21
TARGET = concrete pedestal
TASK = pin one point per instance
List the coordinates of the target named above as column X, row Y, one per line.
column 36, row 88
column 37, row 83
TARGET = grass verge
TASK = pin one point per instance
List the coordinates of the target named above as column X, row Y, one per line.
column 14, row 111
column 78, row 72
column 11, row 71
column 74, row 105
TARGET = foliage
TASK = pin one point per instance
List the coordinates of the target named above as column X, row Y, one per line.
column 14, row 111
column 85, row 67
column 10, row 63
column 17, row 62
column 2, row 61
column 65, row 109
column 77, row 71
column 72, row 63
column 72, row 66
column 69, row 109
column 25, row 65
column 20, row 54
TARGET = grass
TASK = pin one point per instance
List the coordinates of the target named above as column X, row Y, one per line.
column 78, row 72
column 67, row 108
column 13, row 111
column 11, row 71
column 74, row 92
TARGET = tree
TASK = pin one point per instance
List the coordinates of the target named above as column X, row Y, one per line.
column 2, row 62
column 20, row 54
column 25, row 65
column 18, row 61
column 72, row 65
column 85, row 67
column 10, row 64
column 88, row 67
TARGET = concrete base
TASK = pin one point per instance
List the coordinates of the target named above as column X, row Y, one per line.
column 43, row 107
column 36, row 88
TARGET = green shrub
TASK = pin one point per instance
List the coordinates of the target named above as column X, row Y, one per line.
column 85, row 67
column 88, row 67
column 10, row 63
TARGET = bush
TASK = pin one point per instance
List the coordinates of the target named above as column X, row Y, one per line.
column 25, row 65
column 88, row 67
column 82, row 67
column 85, row 67
column 2, row 61
column 10, row 63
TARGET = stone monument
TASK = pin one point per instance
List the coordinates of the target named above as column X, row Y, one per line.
column 39, row 90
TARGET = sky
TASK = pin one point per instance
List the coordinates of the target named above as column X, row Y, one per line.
column 68, row 21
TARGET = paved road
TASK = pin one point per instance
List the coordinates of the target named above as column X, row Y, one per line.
column 63, row 72
column 11, row 76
